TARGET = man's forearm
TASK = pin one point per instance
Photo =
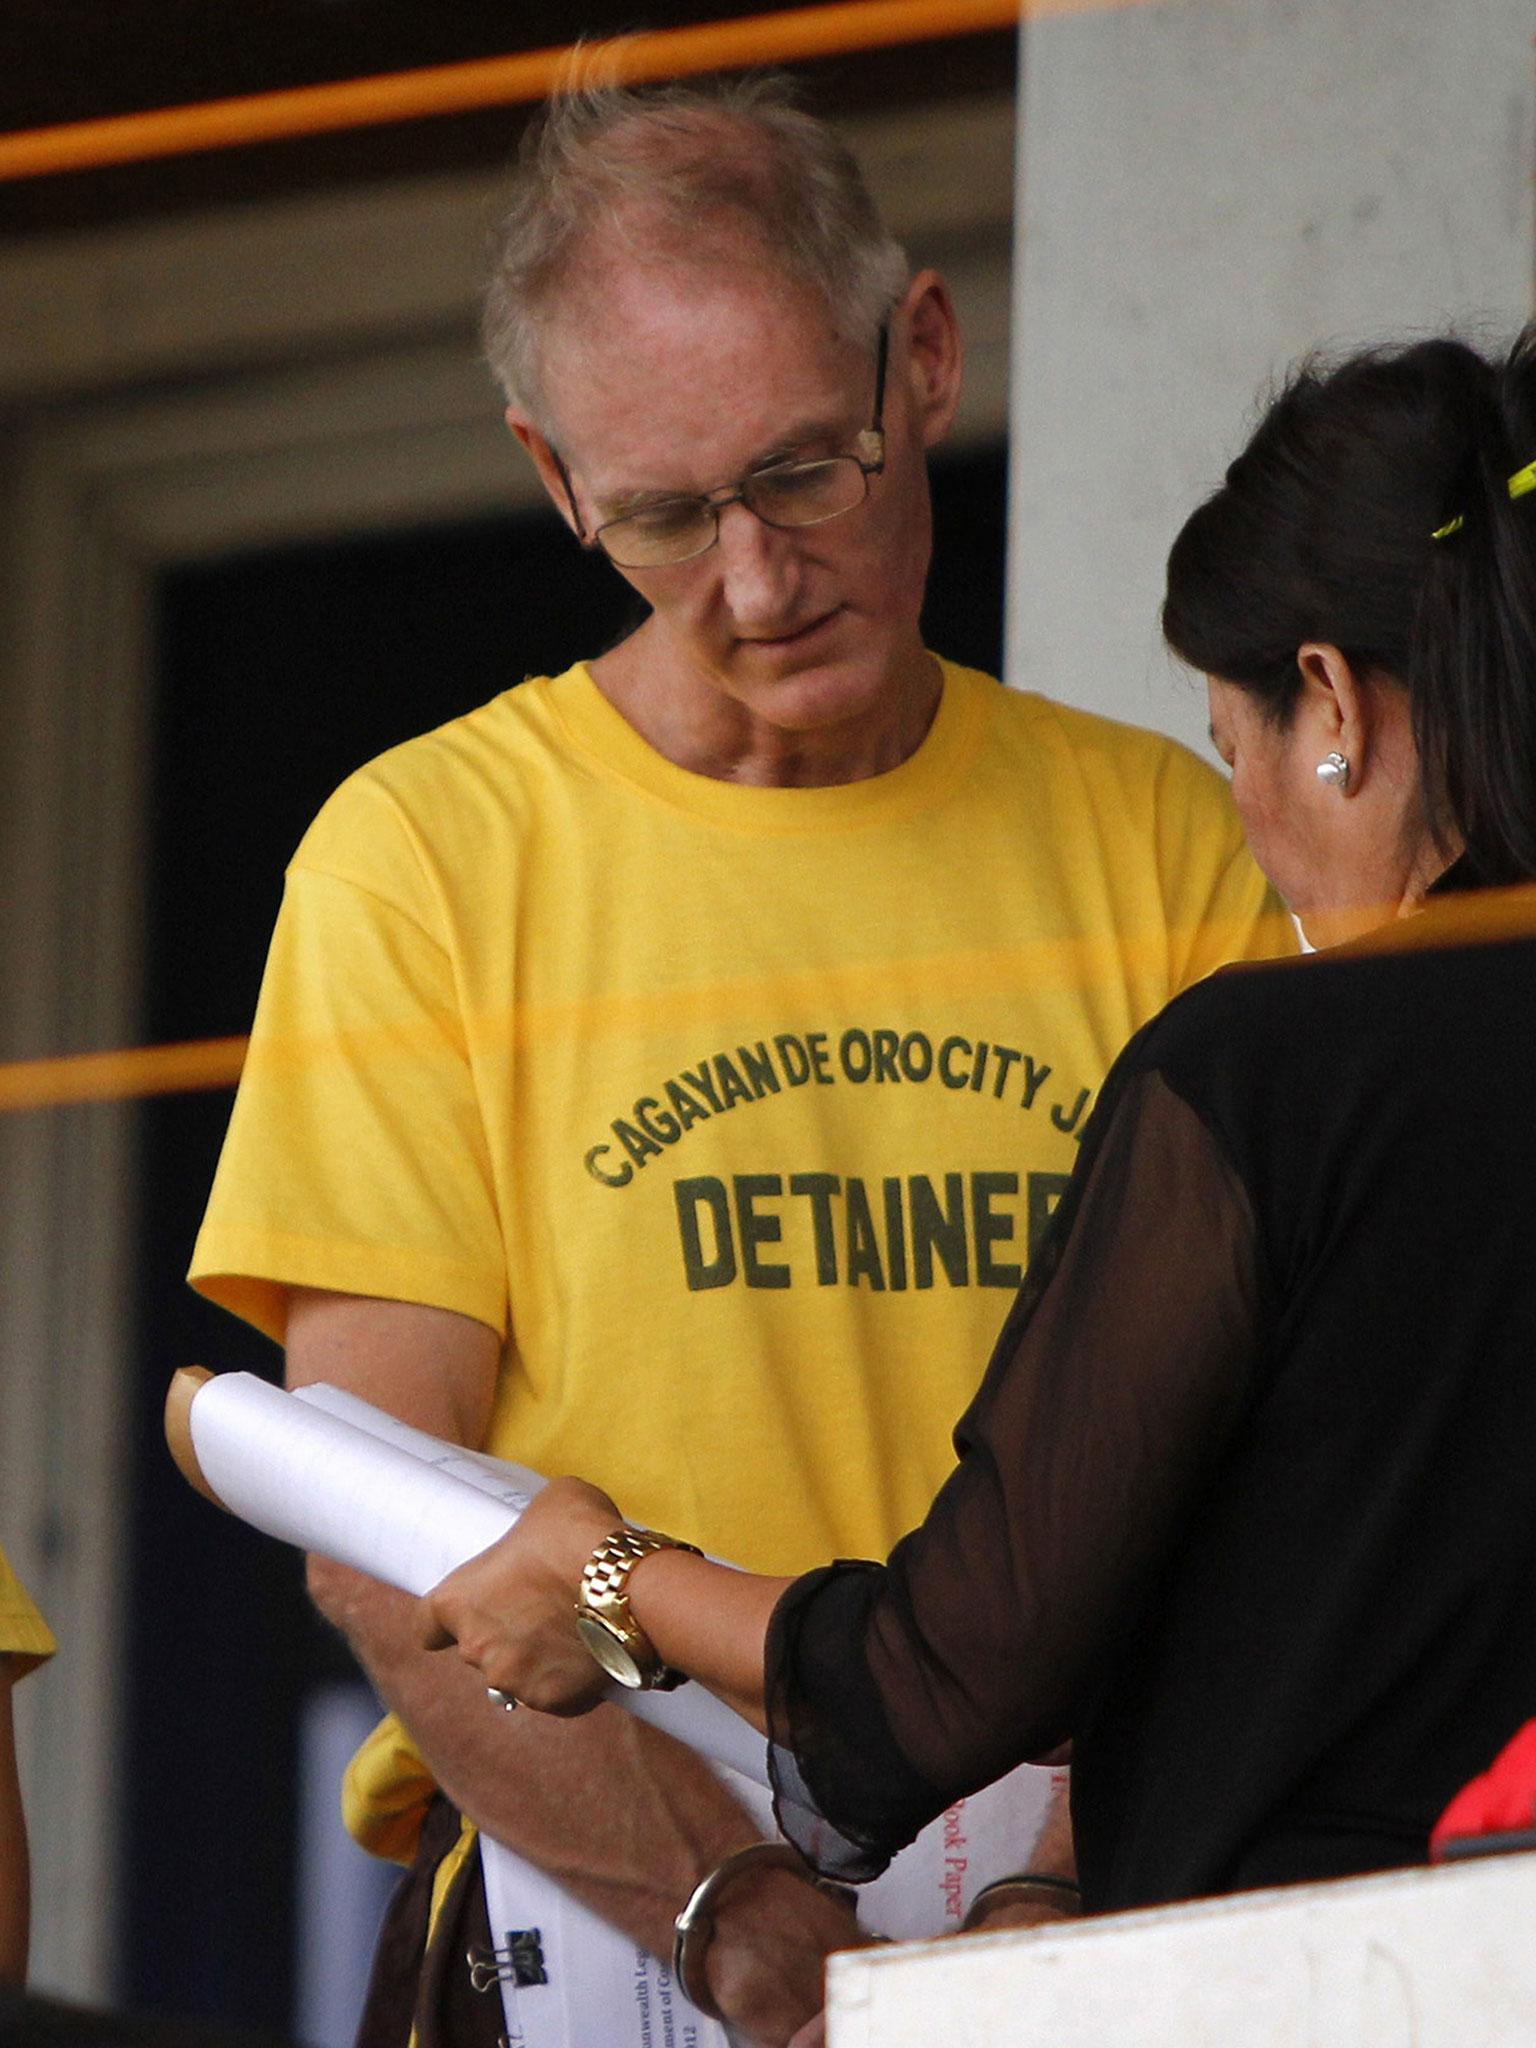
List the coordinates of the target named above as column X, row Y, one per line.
column 1055, row 1853
column 626, row 1819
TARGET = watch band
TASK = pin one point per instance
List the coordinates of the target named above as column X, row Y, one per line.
column 602, row 1597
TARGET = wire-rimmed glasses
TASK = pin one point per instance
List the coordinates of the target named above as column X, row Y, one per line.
column 781, row 494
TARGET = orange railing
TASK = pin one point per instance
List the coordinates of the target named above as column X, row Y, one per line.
column 796, row 35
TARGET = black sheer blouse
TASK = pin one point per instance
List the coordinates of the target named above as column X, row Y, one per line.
column 1246, row 1504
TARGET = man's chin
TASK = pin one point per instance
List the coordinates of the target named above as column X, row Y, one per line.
column 809, row 697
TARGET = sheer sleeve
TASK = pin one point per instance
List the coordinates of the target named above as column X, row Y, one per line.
column 894, row 1690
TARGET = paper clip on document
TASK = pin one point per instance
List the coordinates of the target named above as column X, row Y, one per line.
column 519, row 1961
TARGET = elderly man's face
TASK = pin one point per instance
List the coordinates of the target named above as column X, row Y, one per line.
column 676, row 381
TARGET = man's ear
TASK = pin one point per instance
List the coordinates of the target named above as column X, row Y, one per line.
column 925, row 323
column 544, row 461
column 1337, row 709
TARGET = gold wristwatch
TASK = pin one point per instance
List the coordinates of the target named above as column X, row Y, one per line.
column 603, row 1618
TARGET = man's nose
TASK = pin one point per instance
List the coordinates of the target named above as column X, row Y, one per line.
column 759, row 568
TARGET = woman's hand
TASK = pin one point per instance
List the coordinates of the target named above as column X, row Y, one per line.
column 511, row 1611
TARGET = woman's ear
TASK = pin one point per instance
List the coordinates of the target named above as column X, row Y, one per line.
column 1335, row 712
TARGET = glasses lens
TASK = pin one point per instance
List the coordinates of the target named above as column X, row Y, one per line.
column 805, row 493
column 669, row 532
column 790, row 494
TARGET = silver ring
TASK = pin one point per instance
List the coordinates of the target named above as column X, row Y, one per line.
column 501, row 1699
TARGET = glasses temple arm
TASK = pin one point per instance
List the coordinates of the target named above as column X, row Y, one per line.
column 570, row 496
column 882, row 356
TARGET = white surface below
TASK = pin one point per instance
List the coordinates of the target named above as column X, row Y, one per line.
column 1441, row 1958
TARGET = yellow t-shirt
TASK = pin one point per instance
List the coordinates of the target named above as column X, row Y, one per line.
column 735, row 1110
column 25, row 1637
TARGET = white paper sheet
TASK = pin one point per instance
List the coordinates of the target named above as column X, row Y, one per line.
column 512, row 1484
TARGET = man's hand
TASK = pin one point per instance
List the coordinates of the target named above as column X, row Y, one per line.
column 773, row 1934
column 510, row 1612
column 1053, row 1856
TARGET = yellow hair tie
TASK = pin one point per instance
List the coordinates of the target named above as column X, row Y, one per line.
column 1521, row 484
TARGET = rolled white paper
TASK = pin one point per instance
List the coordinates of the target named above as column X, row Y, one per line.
column 331, row 1473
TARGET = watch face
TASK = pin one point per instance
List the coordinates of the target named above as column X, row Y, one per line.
column 609, row 1651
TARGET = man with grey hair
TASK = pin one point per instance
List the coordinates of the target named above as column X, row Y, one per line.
column 696, row 1042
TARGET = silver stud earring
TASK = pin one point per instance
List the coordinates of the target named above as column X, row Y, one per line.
column 1333, row 770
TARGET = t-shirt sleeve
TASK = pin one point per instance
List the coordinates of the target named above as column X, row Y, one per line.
column 894, row 1690
column 25, row 1638
column 356, row 1158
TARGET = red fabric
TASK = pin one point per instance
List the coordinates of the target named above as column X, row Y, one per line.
column 1501, row 1801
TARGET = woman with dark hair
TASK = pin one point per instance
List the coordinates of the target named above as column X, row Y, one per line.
column 1244, row 1506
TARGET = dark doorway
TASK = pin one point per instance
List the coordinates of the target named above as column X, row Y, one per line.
column 278, row 674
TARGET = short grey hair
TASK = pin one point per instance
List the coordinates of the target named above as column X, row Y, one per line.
column 694, row 173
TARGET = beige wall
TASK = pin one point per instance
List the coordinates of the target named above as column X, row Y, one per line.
column 1208, row 188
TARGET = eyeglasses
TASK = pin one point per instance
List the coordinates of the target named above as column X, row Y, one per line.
column 781, row 494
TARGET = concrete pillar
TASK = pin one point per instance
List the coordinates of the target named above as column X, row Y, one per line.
column 1208, row 188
